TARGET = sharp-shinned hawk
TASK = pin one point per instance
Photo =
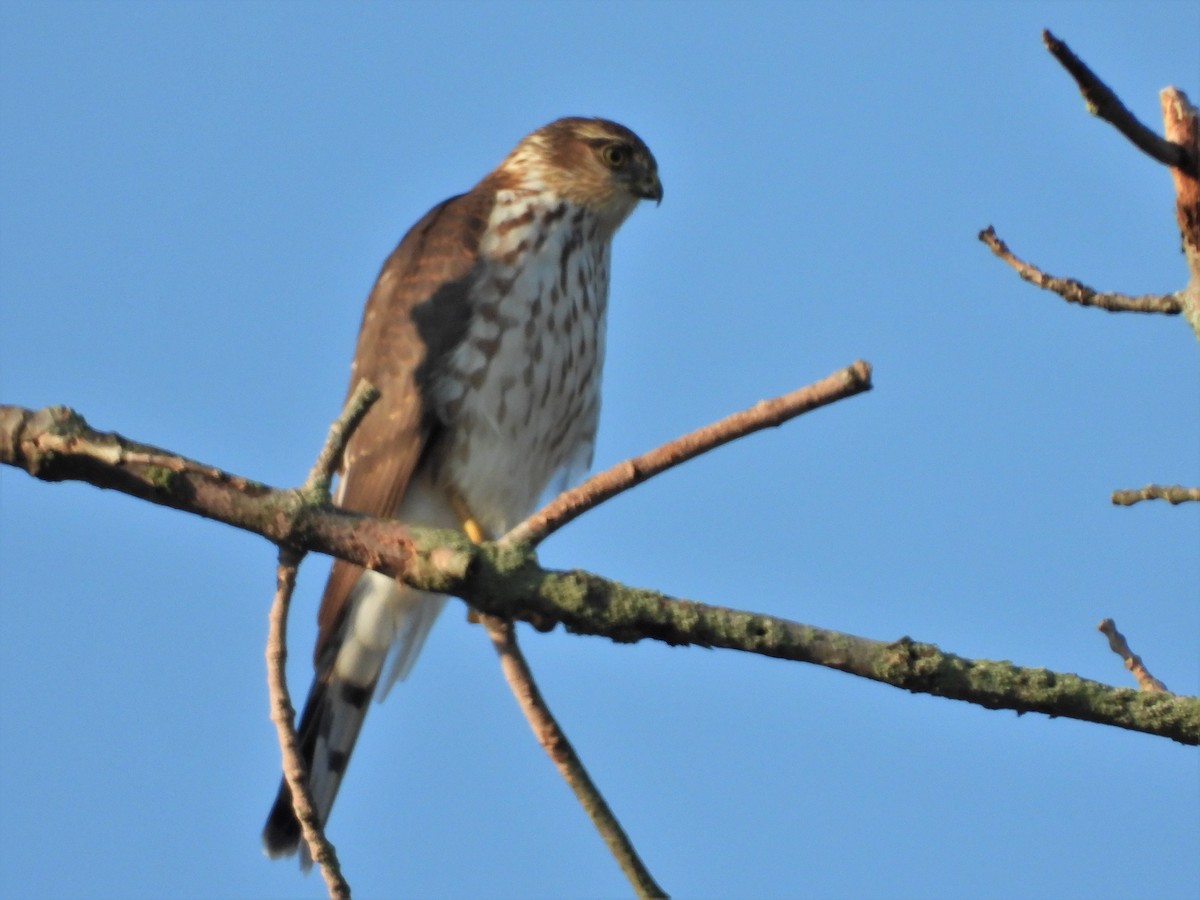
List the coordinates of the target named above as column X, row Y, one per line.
column 484, row 334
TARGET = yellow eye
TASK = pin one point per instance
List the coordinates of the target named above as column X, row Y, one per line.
column 614, row 155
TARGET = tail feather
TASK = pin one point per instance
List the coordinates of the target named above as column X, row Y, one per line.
column 381, row 615
column 333, row 716
column 416, row 621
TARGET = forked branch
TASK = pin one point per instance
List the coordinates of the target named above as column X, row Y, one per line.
column 506, row 581
column 1180, row 150
column 1104, row 104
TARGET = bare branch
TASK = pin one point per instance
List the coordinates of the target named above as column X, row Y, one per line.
column 295, row 774
column 151, row 458
column 56, row 444
column 1133, row 662
column 1180, row 150
column 564, row 508
column 546, row 730
column 1181, row 123
column 510, row 584
column 1076, row 292
column 330, row 457
column 554, row 741
column 283, row 715
column 506, row 581
column 1104, row 104
column 1172, row 493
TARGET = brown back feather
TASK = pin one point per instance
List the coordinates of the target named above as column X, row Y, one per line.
column 417, row 312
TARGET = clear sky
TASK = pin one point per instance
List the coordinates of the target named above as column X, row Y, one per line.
column 194, row 201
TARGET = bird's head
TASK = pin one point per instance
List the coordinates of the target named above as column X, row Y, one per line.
column 595, row 163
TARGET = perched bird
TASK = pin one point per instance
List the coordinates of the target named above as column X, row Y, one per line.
column 484, row 334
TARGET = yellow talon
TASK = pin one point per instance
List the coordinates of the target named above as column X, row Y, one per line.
column 474, row 532
column 470, row 527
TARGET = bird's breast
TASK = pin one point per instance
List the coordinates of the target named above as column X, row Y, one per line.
column 520, row 397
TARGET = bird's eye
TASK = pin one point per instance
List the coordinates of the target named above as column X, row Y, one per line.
column 615, row 155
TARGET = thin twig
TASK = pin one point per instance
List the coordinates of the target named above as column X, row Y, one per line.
column 1104, row 104
column 283, row 715
column 295, row 773
column 552, row 739
column 546, row 730
column 1076, row 292
column 1133, row 662
column 343, row 426
column 1172, row 493
column 847, row 382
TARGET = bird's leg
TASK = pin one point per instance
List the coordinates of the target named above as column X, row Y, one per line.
column 471, row 528
column 469, row 524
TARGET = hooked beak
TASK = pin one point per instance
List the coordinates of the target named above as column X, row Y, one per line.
column 650, row 188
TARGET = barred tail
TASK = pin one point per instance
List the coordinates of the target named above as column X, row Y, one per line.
column 333, row 717
column 382, row 618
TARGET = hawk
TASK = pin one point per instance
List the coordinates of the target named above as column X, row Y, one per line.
column 484, row 334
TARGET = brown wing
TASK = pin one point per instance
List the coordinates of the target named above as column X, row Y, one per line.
column 416, row 313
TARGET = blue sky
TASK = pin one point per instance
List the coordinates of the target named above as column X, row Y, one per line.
column 194, row 201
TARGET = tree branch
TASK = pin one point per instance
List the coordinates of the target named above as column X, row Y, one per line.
column 57, row 444
column 1180, row 150
column 1104, row 104
column 1172, row 493
column 553, row 740
column 330, row 458
column 510, row 583
column 506, row 581
column 1181, row 123
column 295, row 773
column 854, row 379
column 549, row 734
column 284, row 715
column 1133, row 662
column 1076, row 292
